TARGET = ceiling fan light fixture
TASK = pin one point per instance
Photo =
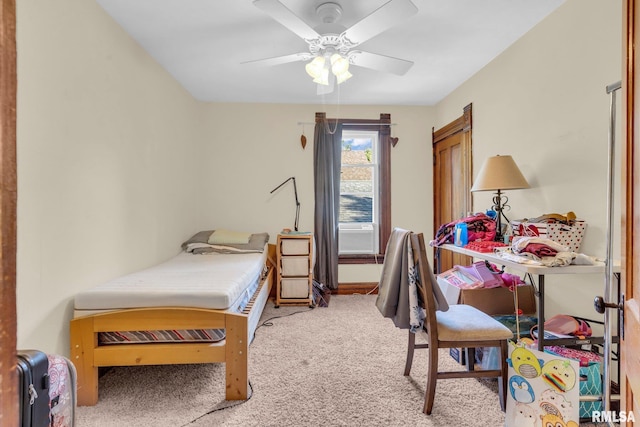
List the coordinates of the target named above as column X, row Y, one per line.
column 325, row 64
column 344, row 76
column 331, row 44
column 323, row 77
column 339, row 64
column 340, row 68
column 316, row 67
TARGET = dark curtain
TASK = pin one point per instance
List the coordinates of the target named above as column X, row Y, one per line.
column 327, row 149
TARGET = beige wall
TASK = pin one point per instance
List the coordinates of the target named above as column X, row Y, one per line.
column 544, row 102
column 117, row 164
column 106, row 141
column 254, row 147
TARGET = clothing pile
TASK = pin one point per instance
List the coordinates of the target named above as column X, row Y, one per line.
column 542, row 251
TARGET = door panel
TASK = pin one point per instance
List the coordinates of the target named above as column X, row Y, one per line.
column 452, row 179
column 630, row 346
column 8, row 200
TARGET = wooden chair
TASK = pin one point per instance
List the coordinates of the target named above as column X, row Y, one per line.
column 462, row 326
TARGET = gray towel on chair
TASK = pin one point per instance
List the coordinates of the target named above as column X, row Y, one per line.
column 393, row 290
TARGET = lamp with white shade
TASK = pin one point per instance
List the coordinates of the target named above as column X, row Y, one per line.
column 499, row 173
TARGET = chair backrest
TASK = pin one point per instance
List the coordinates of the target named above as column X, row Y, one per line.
column 425, row 283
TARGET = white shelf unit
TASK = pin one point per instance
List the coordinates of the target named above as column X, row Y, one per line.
column 294, row 269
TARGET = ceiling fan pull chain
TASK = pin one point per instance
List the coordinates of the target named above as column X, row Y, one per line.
column 326, row 123
column 328, row 128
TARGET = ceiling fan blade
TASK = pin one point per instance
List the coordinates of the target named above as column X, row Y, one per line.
column 380, row 20
column 379, row 62
column 277, row 60
column 286, row 17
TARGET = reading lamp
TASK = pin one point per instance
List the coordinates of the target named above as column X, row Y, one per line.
column 295, row 191
column 499, row 173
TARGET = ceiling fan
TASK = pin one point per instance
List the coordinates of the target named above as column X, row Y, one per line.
column 331, row 46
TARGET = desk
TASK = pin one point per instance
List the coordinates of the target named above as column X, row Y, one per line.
column 540, row 271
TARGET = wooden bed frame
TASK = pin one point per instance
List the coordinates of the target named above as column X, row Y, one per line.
column 87, row 355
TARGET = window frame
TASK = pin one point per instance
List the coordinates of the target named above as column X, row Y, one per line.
column 383, row 127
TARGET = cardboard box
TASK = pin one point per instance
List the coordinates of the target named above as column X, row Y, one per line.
column 493, row 301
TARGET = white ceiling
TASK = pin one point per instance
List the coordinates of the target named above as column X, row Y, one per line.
column 203, row 44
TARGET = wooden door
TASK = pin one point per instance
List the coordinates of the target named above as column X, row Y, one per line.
column 452, row 180
column 630, row 346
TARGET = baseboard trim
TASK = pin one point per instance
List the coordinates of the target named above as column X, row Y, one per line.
column 356, row 288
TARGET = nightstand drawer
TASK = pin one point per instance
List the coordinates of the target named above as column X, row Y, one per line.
column 294, row 288
column 295, row 265
column 294, row 246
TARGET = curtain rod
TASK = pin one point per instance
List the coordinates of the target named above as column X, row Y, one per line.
column 353, row 124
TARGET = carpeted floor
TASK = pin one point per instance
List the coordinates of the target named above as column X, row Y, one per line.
column 335, row 366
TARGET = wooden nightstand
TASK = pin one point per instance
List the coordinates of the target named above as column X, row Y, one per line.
column 294, row 269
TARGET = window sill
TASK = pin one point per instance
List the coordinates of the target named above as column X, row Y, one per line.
column 361, row 259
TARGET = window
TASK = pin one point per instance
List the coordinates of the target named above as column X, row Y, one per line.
column 365, row 187
column 359, row 202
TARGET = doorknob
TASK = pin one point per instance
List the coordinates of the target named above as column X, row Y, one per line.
column 600, row 305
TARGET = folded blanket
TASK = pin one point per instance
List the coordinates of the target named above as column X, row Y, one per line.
column 520, row 242
column 223, row 236
column 199, row 244
column 205, row 248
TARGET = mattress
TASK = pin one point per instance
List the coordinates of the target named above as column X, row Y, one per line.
column 213, row 281
column 150, row 276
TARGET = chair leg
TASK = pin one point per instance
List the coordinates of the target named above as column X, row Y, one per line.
column 410, row 348
column 502, row 381
column 471, row 358
column 432, row 376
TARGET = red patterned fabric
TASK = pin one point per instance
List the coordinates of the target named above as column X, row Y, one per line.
column 183, row 335
column 584, row 357
column 540, row 249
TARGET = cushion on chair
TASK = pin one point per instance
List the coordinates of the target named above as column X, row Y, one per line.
column 466, row 323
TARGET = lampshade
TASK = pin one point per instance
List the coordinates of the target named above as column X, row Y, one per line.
column 340, row 67
column 315, row 67
column 343, row 76
column 339, row 64
column 499, row 173
column 323, row 77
